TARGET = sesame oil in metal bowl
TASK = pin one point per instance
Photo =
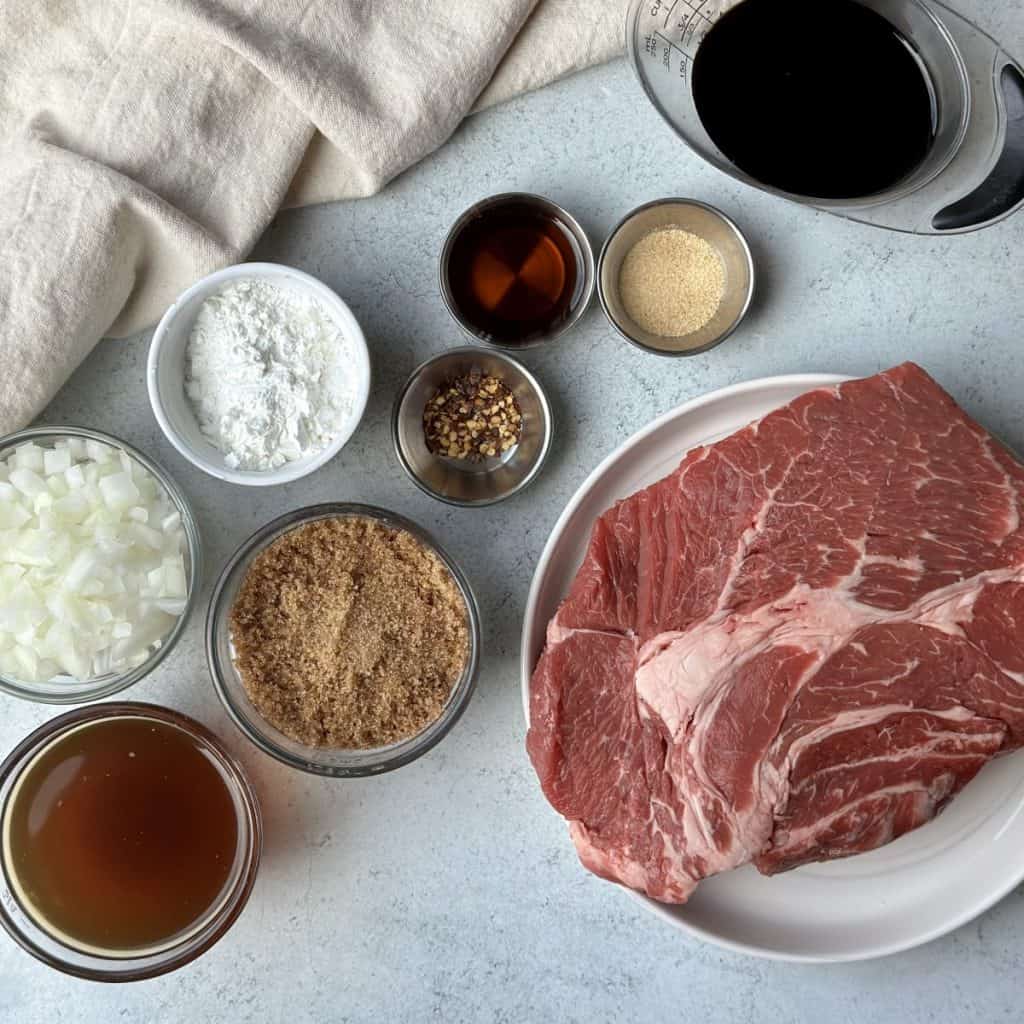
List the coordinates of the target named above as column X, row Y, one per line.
column 516, row 270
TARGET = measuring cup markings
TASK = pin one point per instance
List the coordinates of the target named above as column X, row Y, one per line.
column 692, row 20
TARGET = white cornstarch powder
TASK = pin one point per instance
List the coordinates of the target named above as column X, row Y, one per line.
column 268, row 373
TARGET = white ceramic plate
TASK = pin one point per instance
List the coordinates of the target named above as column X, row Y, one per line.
column 907, row 893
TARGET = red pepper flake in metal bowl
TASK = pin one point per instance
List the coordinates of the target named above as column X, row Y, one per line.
column 472, row 417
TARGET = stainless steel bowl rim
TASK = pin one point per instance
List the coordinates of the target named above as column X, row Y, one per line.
column 386, row 761
column 117, row 683
column 714, row 211
column 546, row 441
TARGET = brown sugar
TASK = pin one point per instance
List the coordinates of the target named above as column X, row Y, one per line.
column 349, row 633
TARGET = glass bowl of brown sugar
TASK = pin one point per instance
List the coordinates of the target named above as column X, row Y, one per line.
column 343, row 640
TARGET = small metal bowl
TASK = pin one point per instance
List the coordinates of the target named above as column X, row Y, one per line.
column 334, row 762
column 455, row 481
column 704, row 221
column 579, row 244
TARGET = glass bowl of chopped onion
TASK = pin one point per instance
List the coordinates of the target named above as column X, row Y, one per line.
column 100, row 564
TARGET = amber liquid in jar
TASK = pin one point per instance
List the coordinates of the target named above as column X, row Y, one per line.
column 512, row 272
column 120, row 836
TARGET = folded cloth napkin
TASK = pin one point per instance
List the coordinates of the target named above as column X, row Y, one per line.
column 148, row 142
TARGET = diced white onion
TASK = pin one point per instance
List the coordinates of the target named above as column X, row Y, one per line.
column 98, row 452
column 92, row 561
column 75, row 477
column 28, row 456
column 55, row 461
column 27, row 481
column 57, row 485
column 119, row 490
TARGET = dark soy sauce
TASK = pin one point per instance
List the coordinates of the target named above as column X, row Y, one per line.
column 512, row 273
column 821, row 98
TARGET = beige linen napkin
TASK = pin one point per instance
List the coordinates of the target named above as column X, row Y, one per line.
column 145, row 144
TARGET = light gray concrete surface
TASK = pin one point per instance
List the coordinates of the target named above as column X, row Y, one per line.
column 449, row 890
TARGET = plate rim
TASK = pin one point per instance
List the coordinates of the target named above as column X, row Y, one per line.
column 809, row 381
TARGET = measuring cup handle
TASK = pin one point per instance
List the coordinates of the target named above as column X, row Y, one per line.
column 1002, row 191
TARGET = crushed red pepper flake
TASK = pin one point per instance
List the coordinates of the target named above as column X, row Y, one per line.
column 472, row 417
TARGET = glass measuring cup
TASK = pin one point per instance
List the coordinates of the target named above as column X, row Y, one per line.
column 973, row 174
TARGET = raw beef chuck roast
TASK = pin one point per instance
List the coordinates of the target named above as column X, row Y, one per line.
column 798, row 646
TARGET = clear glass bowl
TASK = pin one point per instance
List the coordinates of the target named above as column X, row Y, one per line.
column 35, row 939
column 65, row 691
column 329, row 761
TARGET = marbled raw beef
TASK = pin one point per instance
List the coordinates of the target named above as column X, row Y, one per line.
column 799, row 645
